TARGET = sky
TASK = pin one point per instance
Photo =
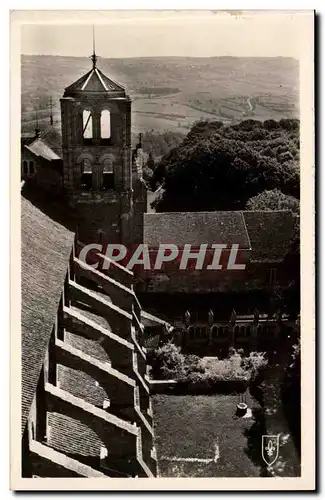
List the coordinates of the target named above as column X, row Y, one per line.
column 156, row 33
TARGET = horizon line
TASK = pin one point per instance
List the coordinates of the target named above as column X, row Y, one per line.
column 166, row 56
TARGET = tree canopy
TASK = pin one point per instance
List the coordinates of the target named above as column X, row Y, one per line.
column 219, row 167
column 273, row 200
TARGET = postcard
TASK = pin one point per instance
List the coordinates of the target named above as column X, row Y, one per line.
column 162, row 202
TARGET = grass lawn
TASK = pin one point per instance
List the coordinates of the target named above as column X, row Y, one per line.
column 192, row 426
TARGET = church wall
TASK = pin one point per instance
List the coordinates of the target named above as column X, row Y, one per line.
column 171, row 279
column 103, row 217
column 256, row 276
column 49, row 176
column 140, row 207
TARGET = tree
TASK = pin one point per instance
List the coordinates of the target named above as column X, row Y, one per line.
column 221, row 168
column 273, row 200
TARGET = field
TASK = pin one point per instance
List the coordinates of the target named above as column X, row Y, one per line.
column 171, row 93
column 205, row 428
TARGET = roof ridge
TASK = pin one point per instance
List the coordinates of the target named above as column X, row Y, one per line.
column 107, row 84
column 111, row 79
column 100, row 78
column 246, row 229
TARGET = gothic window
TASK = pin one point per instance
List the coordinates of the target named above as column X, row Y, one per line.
column 108, row 175
column 25, row 167
column 105, row 126
column 31, row 167
column 86, row 175
column 87, row 125
column 215, row 332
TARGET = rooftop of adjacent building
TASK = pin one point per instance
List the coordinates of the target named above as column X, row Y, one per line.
column 45, row 144
column 253, row 231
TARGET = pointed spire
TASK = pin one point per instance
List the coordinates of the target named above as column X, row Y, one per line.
column 94, row 57
column 51, row 112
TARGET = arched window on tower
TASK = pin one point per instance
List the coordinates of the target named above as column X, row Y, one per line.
column 108, row 175
column 25, row 167
column 87, row 125
column 31, row 168
column 87, row 175
column 105, row 126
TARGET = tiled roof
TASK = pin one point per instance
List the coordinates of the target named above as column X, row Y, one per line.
column 72, row 436
column 195, row 228
column 94, row 82
column 47, row 145
column 68, row 435
column 40, row 148
column 46, row 247
column 270, row 234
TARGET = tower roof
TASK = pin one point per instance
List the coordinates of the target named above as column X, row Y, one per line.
column 95, row 82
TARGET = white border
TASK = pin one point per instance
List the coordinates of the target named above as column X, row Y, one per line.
column 307, row 211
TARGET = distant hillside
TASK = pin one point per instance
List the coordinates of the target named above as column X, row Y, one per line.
column 171, row 93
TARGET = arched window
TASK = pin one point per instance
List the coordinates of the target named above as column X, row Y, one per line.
column 105, row 124
column 87, row 124
column 242, row 331
column 215, row 331
column 31, row 167
column 108, row 174
column 86, row 175
column 25, row 167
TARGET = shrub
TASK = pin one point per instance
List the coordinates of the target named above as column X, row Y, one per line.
column 254, row 362
column 192, row 365
column 225, row 369
column 168, row 362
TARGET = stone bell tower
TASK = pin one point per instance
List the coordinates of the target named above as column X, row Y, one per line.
column 97, row 157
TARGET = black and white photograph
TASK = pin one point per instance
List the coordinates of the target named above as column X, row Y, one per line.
column 164, row 178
